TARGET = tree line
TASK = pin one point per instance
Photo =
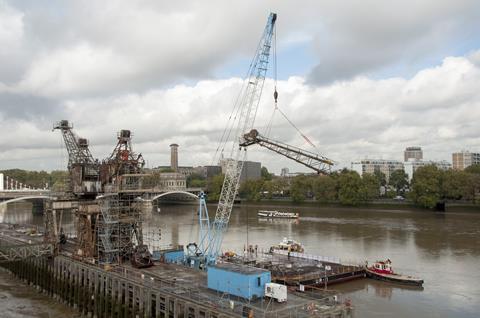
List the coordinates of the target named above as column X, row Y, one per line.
column 38, row 179
column 428, row 186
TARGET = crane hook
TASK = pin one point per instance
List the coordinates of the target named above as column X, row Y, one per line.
column 275, row 95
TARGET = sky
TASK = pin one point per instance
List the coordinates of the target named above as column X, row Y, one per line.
column 361, row 79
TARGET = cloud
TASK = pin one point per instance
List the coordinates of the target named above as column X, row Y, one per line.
column 98, row 48
column 438, row 109
column 149, row 66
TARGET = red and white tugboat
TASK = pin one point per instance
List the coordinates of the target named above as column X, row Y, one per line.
column 382, row 270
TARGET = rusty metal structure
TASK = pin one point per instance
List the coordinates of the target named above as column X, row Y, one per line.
column 107, row 215
column 119, row 226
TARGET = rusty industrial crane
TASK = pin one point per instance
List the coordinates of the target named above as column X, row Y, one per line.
column 82, row 167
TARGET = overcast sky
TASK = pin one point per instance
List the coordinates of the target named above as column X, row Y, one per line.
column 359, row 78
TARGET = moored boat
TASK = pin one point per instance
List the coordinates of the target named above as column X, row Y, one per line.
column 382, row 270
column 288, row 245
column 277, row 214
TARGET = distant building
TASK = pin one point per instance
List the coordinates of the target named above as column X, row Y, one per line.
column 377, row 165
column 412, row 165
column 209, row 171
column 174, row 157
column 284, row 172
column 172, row 181
column 251, row 170
column 463, row 159
column 415, row 153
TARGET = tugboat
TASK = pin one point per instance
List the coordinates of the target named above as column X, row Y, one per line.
column 277, row 214
column 141, row 257
column 287, row 245
column 382, row 270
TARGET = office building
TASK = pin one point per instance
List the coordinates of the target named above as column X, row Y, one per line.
column 376, row 165
column 414, row 153
column 463, row 159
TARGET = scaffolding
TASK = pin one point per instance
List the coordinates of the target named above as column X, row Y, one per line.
column 119, row 223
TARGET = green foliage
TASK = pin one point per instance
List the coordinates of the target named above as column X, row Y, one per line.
column 251, row 190
column 456, row 185
column 398, row 180
column 381, row 177
column 265, row 174
column 350, row 188
column 426, row 189
column 37, row 179
column 325, row 188
column 371, row 186
column 196, row 180
column 214, row 187
column 300, row 187
column 475, row 169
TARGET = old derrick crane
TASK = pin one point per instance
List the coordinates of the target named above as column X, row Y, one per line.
column 82, row 167
column 211, row 235
column 83, row 186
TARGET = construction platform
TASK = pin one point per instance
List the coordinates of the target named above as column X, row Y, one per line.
column 299, row 269
column 164, row 290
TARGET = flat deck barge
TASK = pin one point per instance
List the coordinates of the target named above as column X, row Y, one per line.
column 295, row 269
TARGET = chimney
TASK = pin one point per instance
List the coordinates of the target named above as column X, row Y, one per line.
column 174, row 157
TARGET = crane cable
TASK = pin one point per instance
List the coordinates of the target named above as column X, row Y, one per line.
column 275, row 97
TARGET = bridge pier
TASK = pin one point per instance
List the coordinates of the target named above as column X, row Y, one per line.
column 38, row 206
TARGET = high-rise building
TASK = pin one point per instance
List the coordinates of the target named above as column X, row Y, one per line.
column 377, row 165
column 174, row 157
column 415, row 153
column 463, row 159
column 284, row 172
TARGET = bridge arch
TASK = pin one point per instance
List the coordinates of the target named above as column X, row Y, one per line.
column 25, row 198
column 175, row 192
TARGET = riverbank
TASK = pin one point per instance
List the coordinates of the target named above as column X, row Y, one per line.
column 379, row 204
column 18, row 299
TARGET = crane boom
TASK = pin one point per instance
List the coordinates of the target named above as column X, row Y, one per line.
column 309, row 159
column 249, row 101
column 77, row 148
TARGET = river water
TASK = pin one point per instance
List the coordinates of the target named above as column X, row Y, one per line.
column 441, row 248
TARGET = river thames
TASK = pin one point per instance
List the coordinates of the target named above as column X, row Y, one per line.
column 441, row 248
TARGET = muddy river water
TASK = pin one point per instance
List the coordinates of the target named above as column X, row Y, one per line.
column 441, row 248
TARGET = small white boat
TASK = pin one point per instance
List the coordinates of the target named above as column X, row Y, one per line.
column 288, row 245
column 277, row 214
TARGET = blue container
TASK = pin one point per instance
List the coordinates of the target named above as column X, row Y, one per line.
column 242, row 281
column 174, row 255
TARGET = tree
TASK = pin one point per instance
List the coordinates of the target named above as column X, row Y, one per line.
column 457, row 185
column 398, row 180
column 350, row 188
column 251, row 190
column 196, row 180
column 381, row 177
column 475, row 169
column 371, row 186
column 426, row 188
column 265, row 174
column 325, row 188
column 299, row 189
column 214, row 187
